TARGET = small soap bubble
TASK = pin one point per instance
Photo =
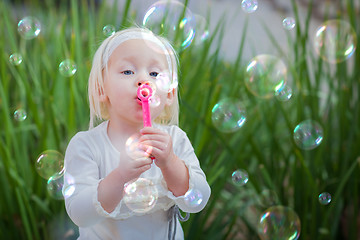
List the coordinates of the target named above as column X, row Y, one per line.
column 325, row 198
column 240, row 177
column 288, row 23
column 49, row 163
column 15, row 59
column 173, row 20
column 140, row 195
column 201, row 29
column 268, row 198
column 55, row 185
column 335, row 41
column 163, row 82
column 29, row 27
column 154, row 101
column 20, row 115
column 265, row 74
column 61, row 186
column 228, row 115
column 193, row 198
column 284, row 94
column 279, row 222
column 69, row 185
column 67, row 68
column 134, row 150
column 308, row 134
column 108, row 30
column 249, row 6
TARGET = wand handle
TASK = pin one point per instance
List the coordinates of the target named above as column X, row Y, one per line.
column 144, row 92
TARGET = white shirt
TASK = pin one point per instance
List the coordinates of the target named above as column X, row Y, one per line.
column 90, row 157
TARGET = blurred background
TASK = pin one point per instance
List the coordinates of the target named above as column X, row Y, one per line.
column 269, row 93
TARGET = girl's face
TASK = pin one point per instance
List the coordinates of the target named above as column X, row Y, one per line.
column 131, row 64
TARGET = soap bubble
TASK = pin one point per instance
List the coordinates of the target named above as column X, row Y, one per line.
column 288, row 23
column 279, row 222
column 49, row 163
column 69, row 185
column 55, row 185
column 15, row 59
column 29, row 27
column 308, row 134
column 154, row 101
column 240, row 177
column 335, row 41
column 140, row 195
column 265, row 74
column 193, row 198
column 108, row 30
column 67, row 68
column 201, row 29
column 20, row 115
column 133, row 148
column 173, row 20
column 284, row 94
column 163, row 82
column 325, row 198
column 249, row 6
column 60, row 185
column 228, row 115
column 268, row 198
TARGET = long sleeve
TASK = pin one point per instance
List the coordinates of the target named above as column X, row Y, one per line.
column 197, row 179
column 90, row 157
column 82, row 171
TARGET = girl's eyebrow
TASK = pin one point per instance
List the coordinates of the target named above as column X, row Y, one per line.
column 159, row 63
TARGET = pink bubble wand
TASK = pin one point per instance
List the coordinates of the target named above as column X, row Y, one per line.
column 144, row 92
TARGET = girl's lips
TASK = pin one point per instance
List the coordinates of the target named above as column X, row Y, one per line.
column 138, row 101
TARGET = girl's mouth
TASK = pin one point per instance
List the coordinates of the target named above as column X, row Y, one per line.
column 138, row 100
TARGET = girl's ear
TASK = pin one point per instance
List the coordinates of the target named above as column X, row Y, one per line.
column 170, row 97
column 102, row 95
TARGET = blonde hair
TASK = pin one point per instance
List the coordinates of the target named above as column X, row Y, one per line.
column 98, row 109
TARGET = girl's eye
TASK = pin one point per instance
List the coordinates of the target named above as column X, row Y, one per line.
column 127, row 72
column 153, row 74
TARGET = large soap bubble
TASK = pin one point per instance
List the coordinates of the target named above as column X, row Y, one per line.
column 228, row 115
column 49, row 163
column 29, row 27
column 279, row 222
column 140, row 195
column 335, row 41
column 265, row 75
column 308, row 134
column 173, row 20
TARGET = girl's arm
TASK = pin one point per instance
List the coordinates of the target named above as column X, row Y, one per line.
column 93, row 198
column 110, row 189
column 176, row 176
column 175, row 156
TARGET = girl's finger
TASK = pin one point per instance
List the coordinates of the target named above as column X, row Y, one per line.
column 142, row 162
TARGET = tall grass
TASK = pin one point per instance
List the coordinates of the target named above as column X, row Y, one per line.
column 57, row 108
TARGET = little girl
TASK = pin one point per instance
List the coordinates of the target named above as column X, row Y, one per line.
column 98, row 161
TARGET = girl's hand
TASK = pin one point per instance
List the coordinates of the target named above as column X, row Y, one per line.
column 131, row 169
column 161, row 146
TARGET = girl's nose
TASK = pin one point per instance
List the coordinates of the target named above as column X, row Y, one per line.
column 141, row 82
column 141, row 79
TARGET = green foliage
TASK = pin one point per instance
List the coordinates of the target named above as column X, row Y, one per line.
column 57, row 108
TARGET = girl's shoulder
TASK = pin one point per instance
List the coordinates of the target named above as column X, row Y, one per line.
column 90, row 134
